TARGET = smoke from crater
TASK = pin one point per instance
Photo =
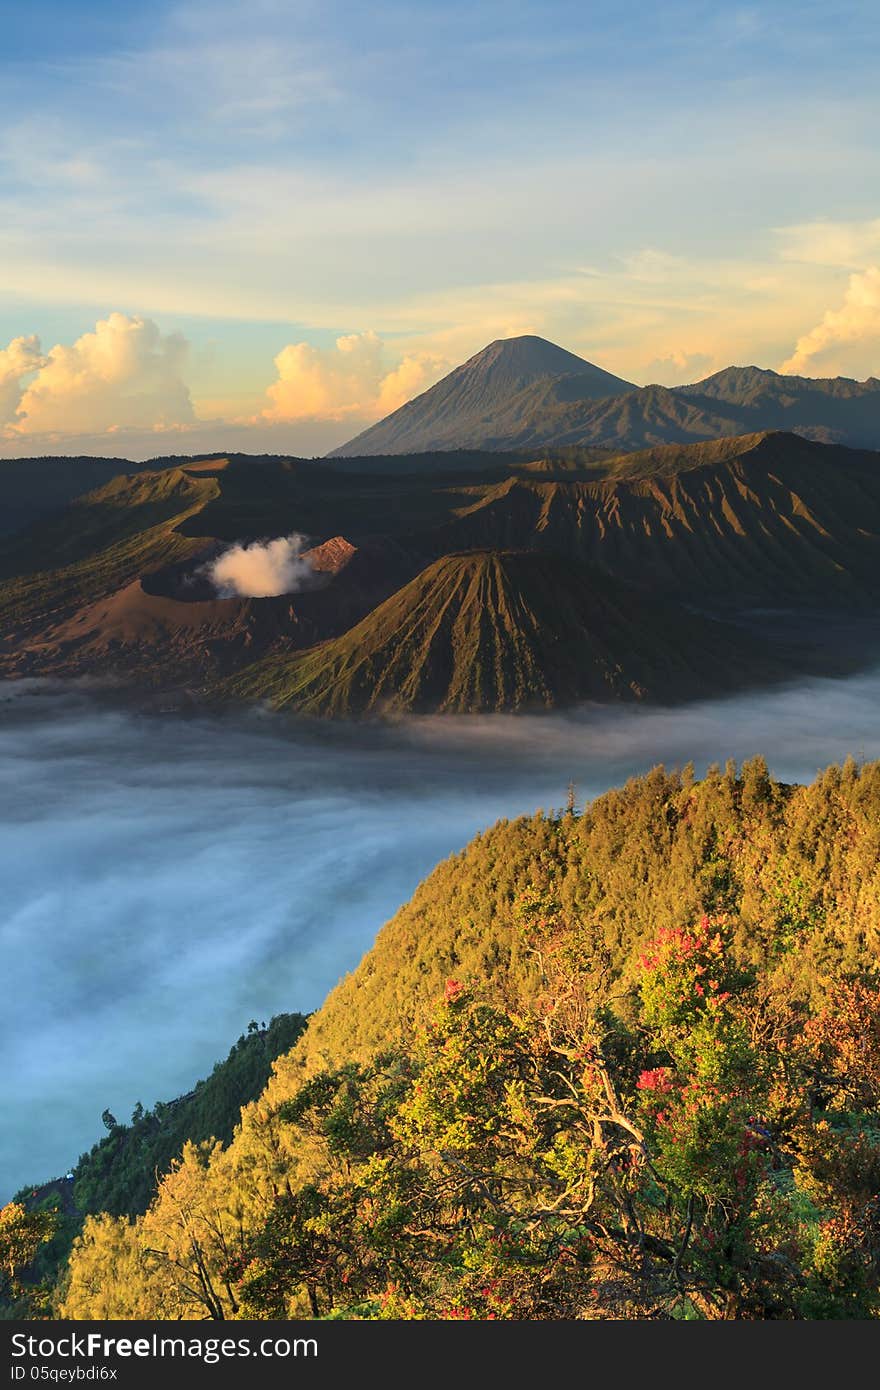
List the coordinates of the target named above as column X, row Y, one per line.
column 262, row 569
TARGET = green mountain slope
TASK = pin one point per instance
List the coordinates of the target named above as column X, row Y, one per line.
column 506, row 631
column 734, row 916
column 120, row 1173
column 103, row 540
column 32, row 488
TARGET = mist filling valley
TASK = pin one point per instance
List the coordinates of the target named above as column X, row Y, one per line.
column 166, row 879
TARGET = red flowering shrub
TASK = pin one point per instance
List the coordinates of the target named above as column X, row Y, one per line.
column 658, row 1081
column 554, row 1162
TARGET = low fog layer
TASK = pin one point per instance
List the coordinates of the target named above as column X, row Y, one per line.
column 167, row 879
column 262, row 569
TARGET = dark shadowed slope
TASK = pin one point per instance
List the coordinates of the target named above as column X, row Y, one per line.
column 835, row 410
column 793, row 396
column 764, row 520
column 103, row 540
column 490, row 631
column 524, row 393
column 736, row 401
column 464, row 409
column 115, row 585
column 31, row 488
column 549, row 415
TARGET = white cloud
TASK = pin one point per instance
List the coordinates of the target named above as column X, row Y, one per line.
column 17, row 361
column 843, row 335
column 263, row 569
column 350, row 379
column 125, row 374
column 847, row 245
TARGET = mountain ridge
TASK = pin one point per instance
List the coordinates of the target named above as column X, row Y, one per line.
column 581, row 404
column 769, row 517
column 459, row 406
column 117, row 585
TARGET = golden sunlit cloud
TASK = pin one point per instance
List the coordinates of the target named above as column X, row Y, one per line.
column 20, row 359
column 125, row 374
column 856, row 324
column 350, row 379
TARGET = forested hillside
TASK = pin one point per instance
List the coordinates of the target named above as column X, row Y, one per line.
column 120, row 1173
column 603, row 1065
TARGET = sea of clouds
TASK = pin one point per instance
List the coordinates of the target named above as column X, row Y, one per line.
column 166, row 878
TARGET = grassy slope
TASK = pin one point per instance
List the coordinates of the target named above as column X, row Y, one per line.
column 490, row 631
column 103, row 540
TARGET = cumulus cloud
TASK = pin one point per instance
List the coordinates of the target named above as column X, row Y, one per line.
column 125, row 374
column 350, row 379
column 263, row 569
column 414, row 375
column 855, row 325
column 17, row 361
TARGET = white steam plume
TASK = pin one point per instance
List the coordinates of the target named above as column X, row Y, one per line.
column 262, row 569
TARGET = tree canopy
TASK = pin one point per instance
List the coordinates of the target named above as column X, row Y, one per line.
column 617, row 1065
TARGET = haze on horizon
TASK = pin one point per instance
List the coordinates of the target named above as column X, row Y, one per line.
column 264, row 228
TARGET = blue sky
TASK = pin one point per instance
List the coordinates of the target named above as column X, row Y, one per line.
column 662, row 188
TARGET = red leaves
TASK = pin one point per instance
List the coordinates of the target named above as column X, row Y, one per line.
column 658, row 1080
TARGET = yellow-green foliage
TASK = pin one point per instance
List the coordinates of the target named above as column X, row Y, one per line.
column 793, row 876
column 115, row 1277
column 22, row 1232
column 796, row 867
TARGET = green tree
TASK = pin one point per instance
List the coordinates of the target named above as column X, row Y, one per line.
column 22, row 1232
